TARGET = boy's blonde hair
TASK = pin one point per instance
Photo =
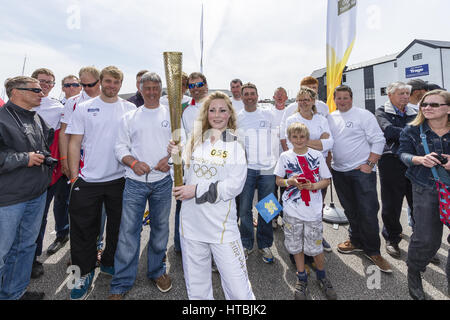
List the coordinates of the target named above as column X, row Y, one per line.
column 297, row 127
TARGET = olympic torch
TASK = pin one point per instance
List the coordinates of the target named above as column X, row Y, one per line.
column 173, row 62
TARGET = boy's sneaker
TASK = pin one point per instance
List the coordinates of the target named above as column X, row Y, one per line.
column 80, row 291
column 267, row 255
column 301, row 290
column 107, row 270
column 381, row 263
column 326, row 245
column 163, row 283
column 327, row 289
column 348, row 247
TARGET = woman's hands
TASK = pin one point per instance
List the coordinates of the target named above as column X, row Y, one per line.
column 184, row 192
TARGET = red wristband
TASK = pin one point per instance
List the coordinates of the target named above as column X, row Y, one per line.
column 133, row 164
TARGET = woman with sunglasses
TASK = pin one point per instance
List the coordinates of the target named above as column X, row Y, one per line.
column 431, row 123
column 215, row 171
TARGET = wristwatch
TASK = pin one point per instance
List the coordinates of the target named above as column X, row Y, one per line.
column 370, row 163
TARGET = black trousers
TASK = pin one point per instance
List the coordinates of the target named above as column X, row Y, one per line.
column 394, row 187
column 85, row 211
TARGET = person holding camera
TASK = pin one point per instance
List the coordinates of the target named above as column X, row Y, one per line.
column 392, row 117
column 24, row 179
column 424, row 148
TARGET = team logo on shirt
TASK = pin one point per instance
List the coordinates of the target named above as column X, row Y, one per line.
column 262, row 124
column 349, row 124
column 165, row 124
column 94, row 110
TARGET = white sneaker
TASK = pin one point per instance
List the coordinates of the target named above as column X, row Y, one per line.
column 267, row 255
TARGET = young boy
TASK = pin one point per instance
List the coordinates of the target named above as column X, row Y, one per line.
column 307, row 174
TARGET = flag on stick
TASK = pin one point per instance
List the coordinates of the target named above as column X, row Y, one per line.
column 341, row 36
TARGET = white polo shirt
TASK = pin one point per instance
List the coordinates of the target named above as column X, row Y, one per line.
column 71, row 104
column 98, row 122
column 50, row 110
column 238, row 105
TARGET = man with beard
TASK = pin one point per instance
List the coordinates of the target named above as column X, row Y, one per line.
column 98, row 180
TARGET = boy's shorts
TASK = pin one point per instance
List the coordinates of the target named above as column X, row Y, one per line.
column 303, row 236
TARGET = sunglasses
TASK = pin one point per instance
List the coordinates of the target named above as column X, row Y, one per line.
column 196, row 85
column 68, row 85
column 35, row 90
column 433, row 105
column 90, row 85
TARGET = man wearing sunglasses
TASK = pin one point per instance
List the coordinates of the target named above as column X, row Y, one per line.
column 50, row 110
column 71, row 87
column 198, row 87
column 24, row 180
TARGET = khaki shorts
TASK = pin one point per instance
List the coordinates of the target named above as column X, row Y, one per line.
column 303, row 236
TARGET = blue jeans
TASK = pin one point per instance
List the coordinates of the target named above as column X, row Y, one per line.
column 428, row 228
column 357, row 193
column 136, row 194
column 19, row 229
column 264, row 232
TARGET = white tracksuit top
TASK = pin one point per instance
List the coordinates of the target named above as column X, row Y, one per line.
column 219, row 171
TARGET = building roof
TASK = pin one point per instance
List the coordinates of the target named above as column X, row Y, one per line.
column 388, row 58
column 319, row 73
column 436, row 44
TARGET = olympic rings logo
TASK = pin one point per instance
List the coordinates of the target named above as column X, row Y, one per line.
column 204, row 171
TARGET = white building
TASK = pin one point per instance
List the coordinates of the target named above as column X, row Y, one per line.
column 423, row 59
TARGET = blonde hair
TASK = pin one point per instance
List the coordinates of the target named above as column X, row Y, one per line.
column 311, row 93
column 93, row 71
column 113, row 72
column 420, row 118
column 297, row 127
column 198, row 135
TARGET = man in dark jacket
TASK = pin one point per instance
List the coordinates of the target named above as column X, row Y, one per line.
column 392, row 118
column 25, row 174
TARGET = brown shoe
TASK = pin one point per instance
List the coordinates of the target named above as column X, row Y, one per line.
column 381, row 263
column 118, row 296
column 163, row 283
column 348, row 247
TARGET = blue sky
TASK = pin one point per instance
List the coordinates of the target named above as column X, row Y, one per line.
column 270, row 43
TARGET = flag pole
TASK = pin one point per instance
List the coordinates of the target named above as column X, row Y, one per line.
column 201, row 42
column 24, row 63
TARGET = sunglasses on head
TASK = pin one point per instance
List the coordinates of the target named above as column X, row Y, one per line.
column 196, row 85
column 90, row 85
column 68, row 85
column 433, row 105
column 35, row 90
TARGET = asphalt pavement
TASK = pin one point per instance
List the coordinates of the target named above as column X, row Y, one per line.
column 352, row 276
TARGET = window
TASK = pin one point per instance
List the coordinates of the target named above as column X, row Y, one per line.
column 370, row 93
column 383, row 91
column 395, row 64
column 344, row 78
column 417, row 56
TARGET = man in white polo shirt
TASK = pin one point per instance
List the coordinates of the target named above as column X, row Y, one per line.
column 358, row 145
column 255, row 132
column 97, row 180
column 144, row 135
column 71, row 87
column 50, row 110
column 236, row 99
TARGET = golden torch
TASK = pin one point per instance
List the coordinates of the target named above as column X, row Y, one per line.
column 173, row 63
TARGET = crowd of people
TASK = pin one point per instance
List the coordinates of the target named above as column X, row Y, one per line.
column 102, row 160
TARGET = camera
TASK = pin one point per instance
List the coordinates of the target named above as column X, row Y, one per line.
column 442, row 159
column 48, row 160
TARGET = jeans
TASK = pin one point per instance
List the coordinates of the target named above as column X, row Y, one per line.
column 264, row 232
column 428, row 228
column 60, row 192
column 394, row 187
column 136, row 194
column 357, row 193
column 19, row 229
